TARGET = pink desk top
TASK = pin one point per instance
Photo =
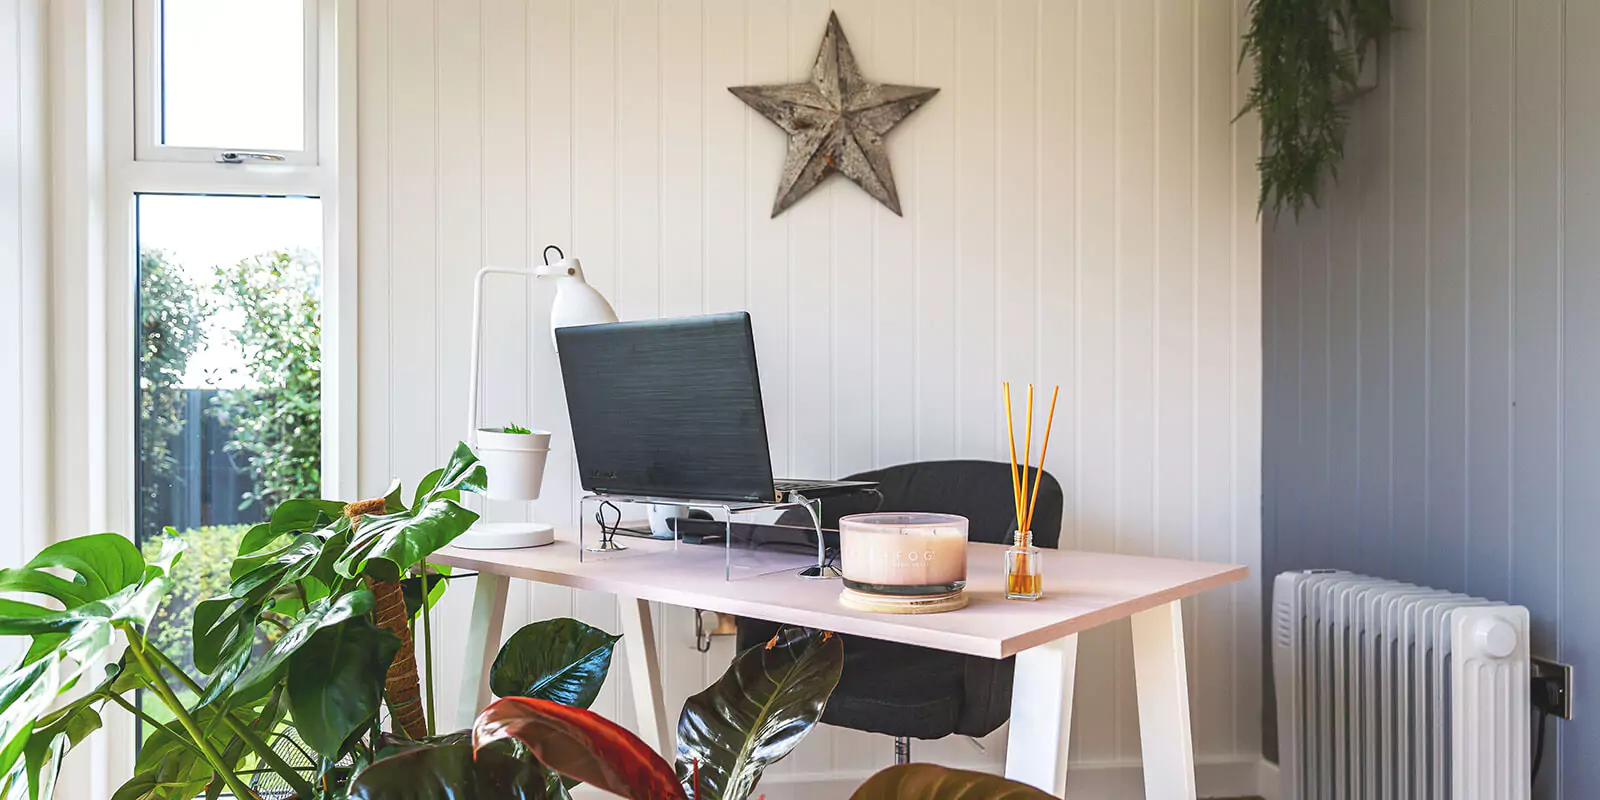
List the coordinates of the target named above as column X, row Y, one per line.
column 1082, row 590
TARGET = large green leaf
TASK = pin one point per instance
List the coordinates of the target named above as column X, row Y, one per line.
column 27, row 692
column 450, row 772
column 34, row 775
column 933, row 782
column 767, row 701
column 336, row 682
column 265, row 670
column 579, row 744
column 225, row 627
column 101, row 565
column 387, row 545
column 562, row 660
column 462, row 473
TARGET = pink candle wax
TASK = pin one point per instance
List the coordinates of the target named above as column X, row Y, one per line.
column 904, row 553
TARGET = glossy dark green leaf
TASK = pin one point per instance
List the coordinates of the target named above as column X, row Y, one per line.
column 224, row 628
column 265, row 669
column 450, row 772
column 933, row 782
column 562, row 660
column 387, row 545
column 336, row 682
column 767, row 701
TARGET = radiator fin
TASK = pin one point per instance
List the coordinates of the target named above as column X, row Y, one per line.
column 1392, row 691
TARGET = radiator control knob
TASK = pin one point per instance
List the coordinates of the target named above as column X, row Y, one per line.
column 1496, row 637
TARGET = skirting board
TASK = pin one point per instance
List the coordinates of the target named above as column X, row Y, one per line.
column 1243, row 777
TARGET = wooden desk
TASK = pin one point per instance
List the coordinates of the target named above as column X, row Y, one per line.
column 1082, row 591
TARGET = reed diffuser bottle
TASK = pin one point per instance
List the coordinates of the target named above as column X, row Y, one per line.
column 1024, row 564
column 1024, row 569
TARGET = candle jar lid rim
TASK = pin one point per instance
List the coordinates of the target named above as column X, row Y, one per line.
column 904, row 519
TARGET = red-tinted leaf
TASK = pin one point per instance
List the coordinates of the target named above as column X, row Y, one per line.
column 580, row 744
column 933, row 782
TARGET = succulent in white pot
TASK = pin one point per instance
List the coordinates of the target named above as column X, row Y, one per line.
column 514, row 458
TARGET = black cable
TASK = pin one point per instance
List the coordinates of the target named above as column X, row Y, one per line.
column 1538, row 747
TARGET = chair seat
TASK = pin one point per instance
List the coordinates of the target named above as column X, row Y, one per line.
column 897, row 690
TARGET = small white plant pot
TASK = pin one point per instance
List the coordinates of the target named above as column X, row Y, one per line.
column 514, row 462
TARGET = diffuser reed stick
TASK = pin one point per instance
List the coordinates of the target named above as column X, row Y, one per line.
column 1024, row 578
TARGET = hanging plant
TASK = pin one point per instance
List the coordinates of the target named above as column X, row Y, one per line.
column 1308, row 57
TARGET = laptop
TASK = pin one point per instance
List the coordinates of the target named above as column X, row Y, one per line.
column 671, row 409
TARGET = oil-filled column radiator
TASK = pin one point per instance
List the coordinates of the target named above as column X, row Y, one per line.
column 1398, row 692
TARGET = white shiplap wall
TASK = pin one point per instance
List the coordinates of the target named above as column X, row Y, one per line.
column 1079, row 210
column 24, row 240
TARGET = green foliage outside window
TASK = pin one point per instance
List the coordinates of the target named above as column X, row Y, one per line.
column 277, row 427
column 172, row 316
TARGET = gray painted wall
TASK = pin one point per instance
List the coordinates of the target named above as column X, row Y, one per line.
column 1432, row 381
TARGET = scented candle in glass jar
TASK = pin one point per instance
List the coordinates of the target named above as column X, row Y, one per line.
column 904, row 554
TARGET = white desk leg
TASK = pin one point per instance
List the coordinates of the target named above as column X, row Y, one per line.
column 483, row 644
column 644, row 675
column 1163, row 689
column 1041, row 715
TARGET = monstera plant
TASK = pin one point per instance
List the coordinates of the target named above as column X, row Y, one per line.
column 324, row 576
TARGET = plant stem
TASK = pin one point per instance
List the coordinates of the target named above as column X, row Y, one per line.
column 177, row 736
column 427, row 644
column 136, row 646
column 262, row 750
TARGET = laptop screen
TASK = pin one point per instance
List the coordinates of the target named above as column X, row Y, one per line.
column 668, row 408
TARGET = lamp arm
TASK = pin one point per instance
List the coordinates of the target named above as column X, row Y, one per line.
column 477, row 342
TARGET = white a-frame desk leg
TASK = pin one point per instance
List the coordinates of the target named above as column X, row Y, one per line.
column 644, row 674
column 1041, row 715
column 1162, row 681
column 483, row 644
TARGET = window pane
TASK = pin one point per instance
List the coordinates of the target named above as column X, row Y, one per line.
column 233, row 74
column 229, row 379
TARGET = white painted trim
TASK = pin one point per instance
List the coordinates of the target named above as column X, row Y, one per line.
column 340, row 307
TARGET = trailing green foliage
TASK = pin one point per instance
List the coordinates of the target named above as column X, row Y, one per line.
column 1307, row 56
column 277, row 426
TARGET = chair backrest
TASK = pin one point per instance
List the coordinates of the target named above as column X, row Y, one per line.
column 977, row 490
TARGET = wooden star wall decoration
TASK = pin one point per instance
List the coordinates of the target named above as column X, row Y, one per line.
column 836, row 123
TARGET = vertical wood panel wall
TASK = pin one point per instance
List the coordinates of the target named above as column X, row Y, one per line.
column 1078, row 211
column 1430, row 335
column 24, row 236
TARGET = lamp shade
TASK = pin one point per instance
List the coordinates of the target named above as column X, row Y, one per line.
column 576, row 303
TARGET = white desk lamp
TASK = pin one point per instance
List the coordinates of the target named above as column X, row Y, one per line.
column 515, row 461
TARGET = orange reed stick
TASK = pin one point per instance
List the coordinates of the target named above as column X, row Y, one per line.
column 1049, row 423
column 1011, row 437
column 1027, row 457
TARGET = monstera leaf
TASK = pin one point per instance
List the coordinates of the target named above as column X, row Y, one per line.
column 265, row 670
column 579, row 744
column 562, row 660
column 33, row 777
column 451, row 772
column 78, row 635
column 757, row 712
column 386, row 545
column 933, row 782
column 336, row 682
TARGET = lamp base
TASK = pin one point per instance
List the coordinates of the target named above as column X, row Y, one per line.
column 506, row 536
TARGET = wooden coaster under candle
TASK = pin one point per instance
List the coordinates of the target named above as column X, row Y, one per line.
column 903, row 563
column 902, row 604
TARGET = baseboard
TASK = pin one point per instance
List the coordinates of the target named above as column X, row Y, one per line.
column 1242, row 777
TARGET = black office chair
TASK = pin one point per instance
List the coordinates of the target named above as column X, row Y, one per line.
column 907, row 691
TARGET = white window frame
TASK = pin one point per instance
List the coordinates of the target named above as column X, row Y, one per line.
column 147, row 73
column 326, row 171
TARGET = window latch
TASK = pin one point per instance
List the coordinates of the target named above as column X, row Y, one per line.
column 241, row 156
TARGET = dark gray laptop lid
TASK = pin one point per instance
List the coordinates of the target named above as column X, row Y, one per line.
column 668, row 408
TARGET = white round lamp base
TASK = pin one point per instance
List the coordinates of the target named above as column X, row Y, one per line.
column 506, row 536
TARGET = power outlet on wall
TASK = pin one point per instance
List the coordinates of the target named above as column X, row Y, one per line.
column 1552, row 686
